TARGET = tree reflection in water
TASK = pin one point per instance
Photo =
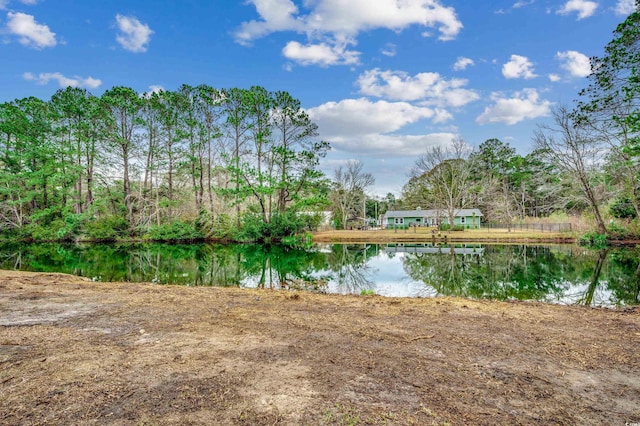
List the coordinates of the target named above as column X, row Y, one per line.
column 558, row 274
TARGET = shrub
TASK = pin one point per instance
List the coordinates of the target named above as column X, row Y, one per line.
column 594, row 240
column 107, row 228
column 444, row 226
column 173, row 231
column 622, row 208
column 457, row 228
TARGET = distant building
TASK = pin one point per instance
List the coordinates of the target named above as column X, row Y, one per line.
column 469, row 218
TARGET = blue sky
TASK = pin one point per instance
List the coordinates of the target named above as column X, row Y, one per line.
column 383, row 79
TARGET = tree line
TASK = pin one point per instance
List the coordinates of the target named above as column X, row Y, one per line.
column 197, row 162
column 586, row 161
column 243, row 164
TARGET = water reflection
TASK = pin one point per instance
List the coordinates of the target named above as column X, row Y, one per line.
column 559, row 274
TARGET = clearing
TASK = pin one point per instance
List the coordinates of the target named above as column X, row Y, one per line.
column 77, row 352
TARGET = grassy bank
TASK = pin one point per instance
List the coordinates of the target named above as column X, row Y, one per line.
column 426, row 235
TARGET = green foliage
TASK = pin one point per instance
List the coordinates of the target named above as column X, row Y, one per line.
column 367, row 292
column 224, row 228
column 107, row 228
column 595, row 240
column 622, row 208
column 282, row 225
column 174, row 231
column 457, row 228
column 444, row 227
column 618, row 231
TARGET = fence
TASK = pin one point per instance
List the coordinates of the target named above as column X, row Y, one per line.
column 543, row 227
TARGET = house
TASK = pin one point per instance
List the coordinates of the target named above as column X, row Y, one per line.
column 469, row 218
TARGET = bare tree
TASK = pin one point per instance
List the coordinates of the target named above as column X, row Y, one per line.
column 571, row 148
column 445, row 175
column 350, row 183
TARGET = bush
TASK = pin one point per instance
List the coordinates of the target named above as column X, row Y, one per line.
column 224, row 228
column 282, row 225
column 174, row 231
column 444, row 227
column 622, row 208
column 107, row 228
column 594, row 240
column 457, row 228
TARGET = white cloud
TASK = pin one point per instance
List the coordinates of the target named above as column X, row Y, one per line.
column 554, row 78
column 362, row 116
column 522, row 3
column 336, row 23
column 321, row 54
column 31, row 33
column 524, row 105
column 625, row 7
column 388, row 49
column 5, row 3
column 584, row 8
column 429, row 87
column 462, row 63
column 277, row 15
column 75, row 81
column 134, row 35
column 349, row 17
column 386, row 146
column 518, row 67
column 576, row 63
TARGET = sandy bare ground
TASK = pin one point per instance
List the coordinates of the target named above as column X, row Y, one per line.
column 77, row 352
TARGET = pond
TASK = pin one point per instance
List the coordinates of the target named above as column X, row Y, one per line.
column 565, row 274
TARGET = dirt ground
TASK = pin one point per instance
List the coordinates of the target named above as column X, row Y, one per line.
column 77, row 352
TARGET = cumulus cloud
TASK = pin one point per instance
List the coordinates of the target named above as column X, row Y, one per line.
column 518, row 67
column 554, row 78
column 30, row 33
column 133, row 35
column 368, row 128
column 584, row 8
column 575, row 63
column 322, row 54
column 328, row 23
column 523, row 105
column 362, row 116
column 384, row 145
column 430, row 88
column 462, row 63
column 625, row 7
column 75, row 81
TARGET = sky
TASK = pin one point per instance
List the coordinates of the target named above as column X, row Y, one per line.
column 383, row 79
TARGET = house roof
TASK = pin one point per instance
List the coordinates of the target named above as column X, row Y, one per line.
column 432, row 213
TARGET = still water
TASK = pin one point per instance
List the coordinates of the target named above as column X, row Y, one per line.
column 557, row 274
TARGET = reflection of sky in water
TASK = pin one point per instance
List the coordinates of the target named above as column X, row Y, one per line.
column 384, row 275
column 554, row 274
column 391, row 279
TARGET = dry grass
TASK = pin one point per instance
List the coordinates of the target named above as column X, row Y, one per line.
column 426, row 235
column 78, row 352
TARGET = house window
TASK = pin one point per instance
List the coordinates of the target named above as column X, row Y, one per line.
column 462, row 219
column 399, row 220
